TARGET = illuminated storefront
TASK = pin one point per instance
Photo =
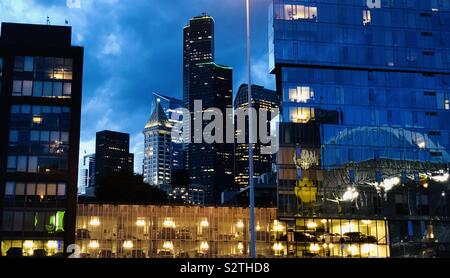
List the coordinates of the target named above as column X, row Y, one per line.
column 331, row 238
column 129, row 231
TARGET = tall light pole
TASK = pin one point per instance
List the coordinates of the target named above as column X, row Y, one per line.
column 250, row 140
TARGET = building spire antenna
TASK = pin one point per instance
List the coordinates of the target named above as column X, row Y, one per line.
column 48, row 20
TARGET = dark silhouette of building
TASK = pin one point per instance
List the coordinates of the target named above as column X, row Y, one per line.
column 40, row 104
column 198, row 47
column 263, row 99
column 112, row 154
column 210, row 165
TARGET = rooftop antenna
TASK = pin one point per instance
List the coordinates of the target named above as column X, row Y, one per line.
column 48, row 20
column 67, row 22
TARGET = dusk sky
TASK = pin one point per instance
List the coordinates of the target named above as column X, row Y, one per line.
column 134, row 48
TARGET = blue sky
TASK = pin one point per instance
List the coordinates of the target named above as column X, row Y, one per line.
column 134, row 48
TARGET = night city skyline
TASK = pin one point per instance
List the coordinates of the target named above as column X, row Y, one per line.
column 120, row 77
column 254, row 130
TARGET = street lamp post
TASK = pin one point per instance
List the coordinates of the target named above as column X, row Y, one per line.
column 250, row 140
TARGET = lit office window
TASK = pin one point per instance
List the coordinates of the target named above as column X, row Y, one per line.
column 297, row 12
column 301, row 94
column 302, row 114
column 447, row 104
column 367, row 17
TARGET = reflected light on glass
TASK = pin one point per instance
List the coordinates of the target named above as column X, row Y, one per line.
column 277, row 226
column 240, row 224
column 27, row 244
column 52, row 244
column 93, row 244
column 94, row 221
column 128, row 244
column 240, row 246
column 353, row 250
column 169, row 223
column 277, row 247
column 314, row 247
column 140, row 222
column 311, row 225
column 204, row 245
column 204, row 223
column 168, row 245
column 367, row 248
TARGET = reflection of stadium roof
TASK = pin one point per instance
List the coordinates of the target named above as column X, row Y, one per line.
column 365, row 133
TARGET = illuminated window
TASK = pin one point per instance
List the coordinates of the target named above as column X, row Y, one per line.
column 367, row 17
column 301, row 94
column 296, row 12
column 302, row 114
column 447, row 104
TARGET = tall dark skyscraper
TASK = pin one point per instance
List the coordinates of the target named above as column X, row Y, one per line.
column 40, row 104
column 262, row 99
column 364, row 138
column 209, row 165
column 198, row 37
column 112, row 153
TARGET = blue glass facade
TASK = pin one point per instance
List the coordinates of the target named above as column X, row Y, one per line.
column 365, row 111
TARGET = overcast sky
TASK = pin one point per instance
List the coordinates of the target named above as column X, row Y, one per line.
column 134, row 48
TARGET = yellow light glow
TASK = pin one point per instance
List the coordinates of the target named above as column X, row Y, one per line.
column 27, row 244
column 168, row 245
column 240, row 224
column 425, row 185
column 314, row 247
column 128, row 244
column 140, row 222
column 169, row 223
column 323, row 221
column 258, row 228
column 240, row 246
column 311, row 225
column 277, row 247
column 277, row 226
column 331, row 245
column 353, row 250
column 348, row 228
column 204, row 223
column 94, row 221
column 367, row 248
column 37, row 120
column 204, row 245
column 52, row 244
column 366, row 222
column 93, row 244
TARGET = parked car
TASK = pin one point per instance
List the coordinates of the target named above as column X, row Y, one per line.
column 304, row 237
column 39, row 253
column 360, row 237
column 14, row 252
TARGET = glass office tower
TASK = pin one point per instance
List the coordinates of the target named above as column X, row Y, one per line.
column 40, row 104
column 364, row 132
column 263, row 99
